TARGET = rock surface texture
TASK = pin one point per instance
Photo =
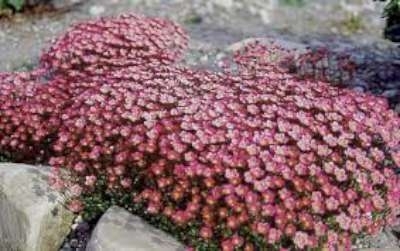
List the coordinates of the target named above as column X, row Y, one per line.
column 122, row 231
column 384, row 241
column 32, row 217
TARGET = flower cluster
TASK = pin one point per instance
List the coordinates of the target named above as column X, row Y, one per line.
column 97, row 47
column 325, row 65
column 318, row 63
column 255, row 154
column 28, row 115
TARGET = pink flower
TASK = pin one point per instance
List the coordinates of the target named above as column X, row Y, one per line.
column 227, row 245
column 377, row 178
column 231, row 173
column 301, row 239
column 378, row 202
column 274, row 235
column 330, row 140
column 75, row 206
column 153, row 208
column 332, row 204
column 305, row 143
column 344, row 221
column 323, row 150
column 377, row 154
column 76, row 190
column 340, row 174
column 80, row 167
column 90, row 180
column 333, row 239
column 354, row 210
column 320, row 229
column 262, row 228
column 356, row 226
column 126, row 183
column 57, row 183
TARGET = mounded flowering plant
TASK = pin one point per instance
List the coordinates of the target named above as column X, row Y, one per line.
column 28, row 115
column 250, row 159
column 97, row 47
column 325, row 65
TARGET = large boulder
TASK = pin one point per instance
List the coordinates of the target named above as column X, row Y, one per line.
column 32, row 215
column 120, row 230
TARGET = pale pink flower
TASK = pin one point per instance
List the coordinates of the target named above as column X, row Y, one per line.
column 274, row 235
column 301, row 239
column 344, row 221
column 332, row 204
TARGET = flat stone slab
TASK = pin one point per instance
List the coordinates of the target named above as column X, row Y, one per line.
column 120, row 230
column 32, row 217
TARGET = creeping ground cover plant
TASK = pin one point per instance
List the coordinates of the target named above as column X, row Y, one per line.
column 245, row 159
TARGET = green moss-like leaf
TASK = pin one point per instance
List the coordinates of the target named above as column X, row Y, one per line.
column 16, row 4
column 2, row 4
column 295, row 3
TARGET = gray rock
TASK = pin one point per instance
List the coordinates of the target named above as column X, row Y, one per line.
column 396, row 228
column 391, row 93
column 32, row 217
column 120, row 230
column 383, row 241
column 62, row 4
column 224, row 3
column 97, row 10
column 289, row 45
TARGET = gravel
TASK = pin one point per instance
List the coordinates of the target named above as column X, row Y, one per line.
column 79, row 236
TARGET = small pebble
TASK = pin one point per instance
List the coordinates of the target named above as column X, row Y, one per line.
column 97, row 10
column 74, row 226
column 74, row 243
column 225, row 3
column 78, row 219
column 83, row 227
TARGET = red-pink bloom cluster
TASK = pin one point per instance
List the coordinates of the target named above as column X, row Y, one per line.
column 28, row 115
column 259, row 149
column 325, row 65
column 97, row 47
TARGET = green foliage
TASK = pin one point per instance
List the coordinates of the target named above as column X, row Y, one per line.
column 7, row 6
column 392, row 14
column 2, row 4
column 16, row 4
column 353, row 24
column 392, row 8
column 295, row 3
column 4, row 158
column 193, row 18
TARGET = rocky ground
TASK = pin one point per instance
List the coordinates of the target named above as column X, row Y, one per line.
column 353, row 27
column 216, row 23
